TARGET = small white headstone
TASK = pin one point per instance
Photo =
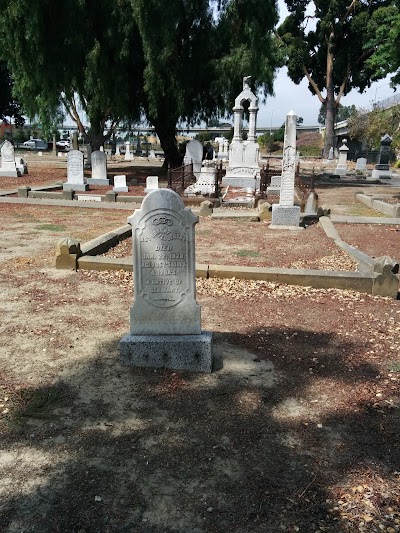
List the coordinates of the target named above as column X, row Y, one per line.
column 120, row 183
column 151, row 183
column 117, row 150
column 101, row 148
column 152, row 154
column 40, row 154
column 361, row 163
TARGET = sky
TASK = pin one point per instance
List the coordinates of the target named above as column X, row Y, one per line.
column 289, row 96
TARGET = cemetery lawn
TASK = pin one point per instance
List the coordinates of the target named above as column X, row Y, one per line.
column 297, row 428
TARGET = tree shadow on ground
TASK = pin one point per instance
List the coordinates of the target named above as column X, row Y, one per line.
column 243, row 449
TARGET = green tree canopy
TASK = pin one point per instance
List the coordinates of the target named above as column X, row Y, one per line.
column 342, row 112
column 370, row 126
column 384, row 32
column 330, row 48
column 85, row 55
column 197, row 55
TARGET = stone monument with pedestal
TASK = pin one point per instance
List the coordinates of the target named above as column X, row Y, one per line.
column 382, row 168
column 8, row 168
column 165, row 329
column 243, row 169
column 286, row 213
column 341, row 168
column 128, row 155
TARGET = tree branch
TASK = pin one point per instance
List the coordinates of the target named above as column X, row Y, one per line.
column 348, row 10
column 313, row 84
column 343, row 85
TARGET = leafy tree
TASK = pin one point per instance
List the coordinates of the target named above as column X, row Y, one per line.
column 342, row 112
column 370, row 126
column 384, row 32
column 333, row 55
column 195, row 61
column 91, row 62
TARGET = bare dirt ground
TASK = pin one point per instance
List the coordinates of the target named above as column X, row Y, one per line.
column 295, row 430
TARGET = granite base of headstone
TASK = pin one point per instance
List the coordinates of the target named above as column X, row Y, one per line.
column 381, row 174
column 274, row 188
column 120, row 183
column 165, row 323
column 98, row 182
column 284, row 216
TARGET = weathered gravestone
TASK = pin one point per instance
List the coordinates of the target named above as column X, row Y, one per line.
column 194, row 154
column 286, row 213
column 165, row 329
column 361, row 163
column 120, row 183
column 75, row 176
column 382, row 167
column 8, row 167
column 99, row 169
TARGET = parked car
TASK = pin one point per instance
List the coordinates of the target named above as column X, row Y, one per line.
column 39, row 144
column 63, row 144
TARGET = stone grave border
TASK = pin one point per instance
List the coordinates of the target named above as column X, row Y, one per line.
column 374, row 276
column 377, row 202
column 49, row 192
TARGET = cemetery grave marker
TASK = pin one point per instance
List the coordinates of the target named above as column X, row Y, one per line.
column 165, row 329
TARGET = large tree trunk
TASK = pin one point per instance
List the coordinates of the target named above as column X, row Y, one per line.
column 329, row 122
column 329, row 101
column 166, row 131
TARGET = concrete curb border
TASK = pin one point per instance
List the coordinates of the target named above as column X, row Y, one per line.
column 375, row 276
column 377, row 202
